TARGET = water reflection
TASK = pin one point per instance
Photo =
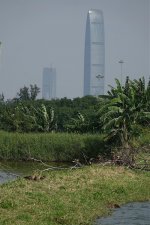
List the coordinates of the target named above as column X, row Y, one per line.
column 6, row 176
column 11, row 170
column 129, row 214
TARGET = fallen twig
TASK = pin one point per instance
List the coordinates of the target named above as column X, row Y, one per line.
column 76, row 161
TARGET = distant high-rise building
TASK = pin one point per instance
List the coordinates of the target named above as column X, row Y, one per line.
column 49, row 83
column 94, row 56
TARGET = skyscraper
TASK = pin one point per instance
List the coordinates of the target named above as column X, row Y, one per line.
column 49, row 83
column 94, row 55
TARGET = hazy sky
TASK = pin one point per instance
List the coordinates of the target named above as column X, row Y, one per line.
column 41, row 33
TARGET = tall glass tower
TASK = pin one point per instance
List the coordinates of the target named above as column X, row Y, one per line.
column 94, row 56
column 49, row 83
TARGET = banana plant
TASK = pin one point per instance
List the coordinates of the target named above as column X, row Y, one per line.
column 78, row 124
column 124, row 110
column 45, row 120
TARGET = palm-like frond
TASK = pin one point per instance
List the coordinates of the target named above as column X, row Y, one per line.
column 127, row 106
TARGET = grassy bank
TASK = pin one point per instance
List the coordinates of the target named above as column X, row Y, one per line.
column 72, row 197
column 50, row 146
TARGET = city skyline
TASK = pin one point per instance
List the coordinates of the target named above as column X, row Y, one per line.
column 36, row 33
column 49, row 83
column 94, row 56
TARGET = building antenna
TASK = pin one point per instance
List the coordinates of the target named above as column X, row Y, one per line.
column 121, row 65
column 0, row 47
column 0, row 53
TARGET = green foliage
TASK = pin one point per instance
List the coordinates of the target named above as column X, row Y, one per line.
column 121, row 111
column 1, row 98
column 51, row 146
column 7, row 204
column 61, row 115
column 26, row 93
column 128, row 107
column 34, row 91
column 23, row 94
column 44, row 118
column 78, row 124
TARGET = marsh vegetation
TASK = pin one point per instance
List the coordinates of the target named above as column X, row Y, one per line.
column 110, row 130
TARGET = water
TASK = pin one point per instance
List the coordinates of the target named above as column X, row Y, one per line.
column 129, row 214
column 6, row 176
column 13, row 170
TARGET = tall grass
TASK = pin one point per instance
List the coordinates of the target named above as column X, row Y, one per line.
column 143, row 139
column 58, row 146
column 50, row 146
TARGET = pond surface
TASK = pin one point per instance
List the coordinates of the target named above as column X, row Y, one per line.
column 6, row 176
column 13, row 170
column 129, row 214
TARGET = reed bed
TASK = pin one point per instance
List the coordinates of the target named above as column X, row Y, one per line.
column 51, row 146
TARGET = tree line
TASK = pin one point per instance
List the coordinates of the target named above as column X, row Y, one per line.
column 25, row 113
column 118, row 114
